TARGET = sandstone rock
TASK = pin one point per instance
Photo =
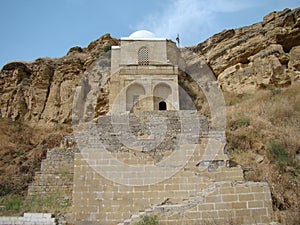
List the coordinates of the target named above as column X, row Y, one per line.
column 75, row 49
column 266, row 68
column 42, row 91
column 294, row 63
column 98, row 46
column 14, row 78
column 60, row 97
column 259, row 158
column 258, row 56
column 244, row 59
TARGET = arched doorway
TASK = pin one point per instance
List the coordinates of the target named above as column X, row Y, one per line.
column 162, row 105
column 162, row 93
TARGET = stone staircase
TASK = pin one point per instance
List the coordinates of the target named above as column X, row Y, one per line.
column 224, row 201
column 170, row 209
column 204, row 188
column 149, row 137
column 55, row 176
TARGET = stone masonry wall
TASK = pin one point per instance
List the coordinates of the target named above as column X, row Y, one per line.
column 196, row 193
column 186, row 197
column 55, row 176
column 230, row 202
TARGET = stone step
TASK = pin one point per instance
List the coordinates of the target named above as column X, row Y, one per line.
column 127, row 222
column 30, row 219
column 56, row 174
column 169, row 209
column 44, row 191
column 53, row 179
column 50, row 166
column 135, row 217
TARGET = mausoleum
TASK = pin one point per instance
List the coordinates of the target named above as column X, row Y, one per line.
column 147, row 157
column 145, row 72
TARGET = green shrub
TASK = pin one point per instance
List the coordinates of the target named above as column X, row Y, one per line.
column 13, row 204
column 243, row 122
column 20, row 152
column 148, row 220
column 181, row 82
column 107, row 48
column 279, row 151
column 51, row 203
column 275, row 91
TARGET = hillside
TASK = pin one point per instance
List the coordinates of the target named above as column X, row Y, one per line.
column 265, row 54
column 257, row 67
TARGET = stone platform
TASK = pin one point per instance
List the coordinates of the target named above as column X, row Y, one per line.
column 204, row 189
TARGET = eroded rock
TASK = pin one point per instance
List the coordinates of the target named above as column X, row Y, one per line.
column 262, row 55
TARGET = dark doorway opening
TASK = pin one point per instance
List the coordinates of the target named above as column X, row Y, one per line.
column 162, row 106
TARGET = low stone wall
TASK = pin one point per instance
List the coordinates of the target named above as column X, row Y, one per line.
column 29, row 219
column 55, row 176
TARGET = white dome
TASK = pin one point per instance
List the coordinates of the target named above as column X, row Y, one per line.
column 142, row 34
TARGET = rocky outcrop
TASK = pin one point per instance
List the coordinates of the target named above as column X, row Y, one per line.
column 266, row 54
column 258, row 56
column 42, row 91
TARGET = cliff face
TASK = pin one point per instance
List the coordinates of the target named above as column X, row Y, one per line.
column 265, row 55
column 42, row 91
column 258, row 56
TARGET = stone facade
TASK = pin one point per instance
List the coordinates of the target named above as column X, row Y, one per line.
column 147, row 157
column 144, row 75
column 221, row 202
column 200, row 191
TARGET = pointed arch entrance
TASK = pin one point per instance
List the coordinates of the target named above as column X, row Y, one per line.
column 161, row 95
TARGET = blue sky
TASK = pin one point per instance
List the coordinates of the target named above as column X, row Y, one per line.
column 48, row 28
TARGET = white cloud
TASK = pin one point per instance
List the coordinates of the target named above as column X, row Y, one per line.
column 192, row 19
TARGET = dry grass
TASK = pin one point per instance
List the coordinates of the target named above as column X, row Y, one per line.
column 263, row 136
column 21, row 151
column 17, row 205
column 22, row 148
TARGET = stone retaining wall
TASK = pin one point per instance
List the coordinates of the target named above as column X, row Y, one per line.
column 55, row 176
column 238, row 203
column 186, row 197
column 200, row 191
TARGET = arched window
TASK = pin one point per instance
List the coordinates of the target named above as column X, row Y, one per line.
column 143, row 56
